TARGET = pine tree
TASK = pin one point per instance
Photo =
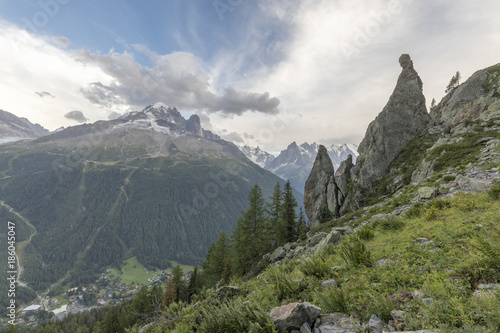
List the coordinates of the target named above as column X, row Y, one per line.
column 250, row 237
column 193, row 284
column 454, row 82
column 433, row 104
column 170, row 295
column 179, row 285
column 302, row 226
column 289, row 215
column 275, row 221
column 214, row 264
column 227, row 273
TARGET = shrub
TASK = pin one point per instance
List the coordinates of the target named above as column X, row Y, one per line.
column 390, row 223
column 494, row 192
column 489, row 248
column 438, row 204
column 449, row 178
column 466, row 204
column 400, row 200
column 365, row 233
column 315, row 266
column 431, row 214
column 380, row 306
column 414, row 211
column 235, row 316
column 282, row 283
column 354, row 252
column 335, row 299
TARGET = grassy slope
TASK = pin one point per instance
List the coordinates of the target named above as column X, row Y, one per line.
column 448, row 275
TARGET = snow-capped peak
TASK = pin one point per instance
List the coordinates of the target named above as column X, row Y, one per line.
column 159, row 105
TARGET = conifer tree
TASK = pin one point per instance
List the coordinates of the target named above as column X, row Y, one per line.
column 179, row 285
column 454, row 82
column 214, row 264
column 302, row 226
column 250, row 237
column 193, row 284
column 227, row 273
column 275, row 221
column 289, row 215
column 433, row 104
column 170, row 295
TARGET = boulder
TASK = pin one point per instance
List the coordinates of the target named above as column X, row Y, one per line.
column 293, row 316
column 316, row 239
column 277, row 254
column 337, row 323
column 376, row 324
column 402, row 119
column 426, row 192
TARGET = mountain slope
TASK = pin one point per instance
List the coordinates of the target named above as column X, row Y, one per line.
column 13, row 128
column 150, row 184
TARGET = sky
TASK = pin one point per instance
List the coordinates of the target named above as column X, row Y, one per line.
column 257, row 72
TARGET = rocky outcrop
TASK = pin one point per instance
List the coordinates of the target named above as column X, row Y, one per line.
column 193, row 125
column 320, row 186
column 293, row 316
column 404, row 117
column 477, row 99
column 344, row 196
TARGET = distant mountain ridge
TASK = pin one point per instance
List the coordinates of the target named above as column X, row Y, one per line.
column 149, row 184
column 13, row 128
column 295, row 162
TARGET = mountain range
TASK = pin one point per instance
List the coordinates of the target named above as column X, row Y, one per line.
column 295, row 162
column 149, row 184
column 13, row 128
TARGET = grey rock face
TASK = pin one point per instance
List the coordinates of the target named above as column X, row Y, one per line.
column 404, row 117
column 376, row 324
column 193, row 125
column 292, row 316
column 475, row 99
column 338, row 323
column 319, row 183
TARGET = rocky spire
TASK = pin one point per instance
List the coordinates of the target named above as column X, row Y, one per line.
column 319, row 185
column 404, row 117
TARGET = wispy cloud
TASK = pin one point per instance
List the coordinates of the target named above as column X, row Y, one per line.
column 76, row 116
column 43, row 94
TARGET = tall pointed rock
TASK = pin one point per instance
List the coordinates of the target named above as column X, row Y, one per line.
column 404, row 117
column 319, row 186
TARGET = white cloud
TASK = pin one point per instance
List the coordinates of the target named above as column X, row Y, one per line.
column 175, row 78
column 33, row 64
column 338, row 92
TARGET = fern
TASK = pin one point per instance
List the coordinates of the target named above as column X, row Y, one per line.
column 354, row 252
column 490, row 248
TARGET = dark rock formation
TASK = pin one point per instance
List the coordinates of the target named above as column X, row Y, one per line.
column 319, row 186
column 403, row 118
